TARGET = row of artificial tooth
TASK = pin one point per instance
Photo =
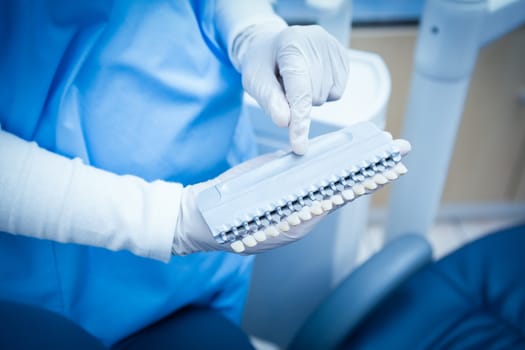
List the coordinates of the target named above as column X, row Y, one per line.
column 318, row 207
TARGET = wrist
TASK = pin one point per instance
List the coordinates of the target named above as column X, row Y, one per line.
column 192, row 234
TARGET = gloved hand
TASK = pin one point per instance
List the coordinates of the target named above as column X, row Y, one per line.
column 193, row 235
column 289, row 69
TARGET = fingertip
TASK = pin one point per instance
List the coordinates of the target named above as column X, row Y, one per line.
column 299, row 142
column 299, row 131
column 403, row 146
column 300, row 147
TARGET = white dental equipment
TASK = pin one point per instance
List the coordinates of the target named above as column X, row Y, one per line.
column 339, row 167
column 450, row 36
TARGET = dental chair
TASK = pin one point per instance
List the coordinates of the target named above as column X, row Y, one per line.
column 399, row 299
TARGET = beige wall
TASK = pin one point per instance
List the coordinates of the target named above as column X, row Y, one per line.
column 489, row 160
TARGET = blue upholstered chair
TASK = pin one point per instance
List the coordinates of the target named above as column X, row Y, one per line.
column 399, row 299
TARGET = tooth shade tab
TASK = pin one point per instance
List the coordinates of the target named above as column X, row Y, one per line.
column 337, row 199
column 403, row 146
column 326, row 205
column 359, row 189
column 348, row 195
column 237, row 247
column 259, row 236
column 293, row 219
column 400, row 169
column 283, row 226
column 316, row 208
column 380, row 179
column 391, row 174
column 271, row 231
column 249, row 241
column 370, row 184
column 305, row 214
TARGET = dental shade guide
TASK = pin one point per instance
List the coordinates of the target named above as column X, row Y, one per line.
column 338, row 168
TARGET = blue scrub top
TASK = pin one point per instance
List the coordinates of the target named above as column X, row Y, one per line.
column 134, row 87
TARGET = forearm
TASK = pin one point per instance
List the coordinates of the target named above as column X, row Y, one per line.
column 48, row 196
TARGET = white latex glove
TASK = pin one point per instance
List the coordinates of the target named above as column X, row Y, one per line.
column 289, row 69
column 193, row 235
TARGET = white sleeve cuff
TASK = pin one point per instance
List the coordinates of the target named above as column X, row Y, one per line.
column 48, row 196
